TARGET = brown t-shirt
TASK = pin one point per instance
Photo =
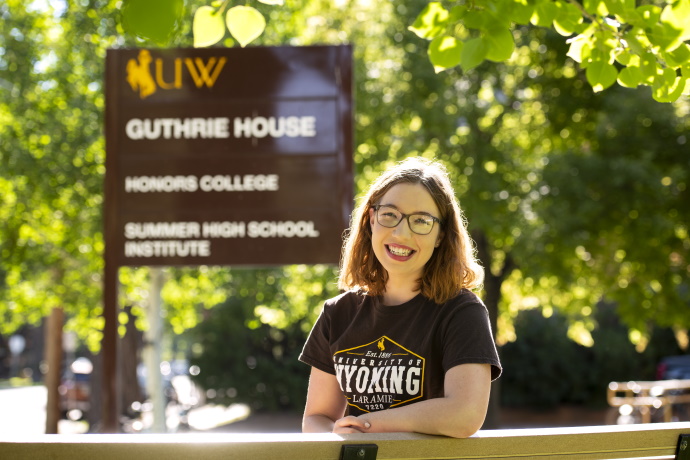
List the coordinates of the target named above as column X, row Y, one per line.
column 388, row 356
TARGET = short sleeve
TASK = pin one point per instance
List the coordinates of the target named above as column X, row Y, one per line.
column 467, row 338
column 316, row 351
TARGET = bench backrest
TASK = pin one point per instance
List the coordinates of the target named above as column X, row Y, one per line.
column 657, row 441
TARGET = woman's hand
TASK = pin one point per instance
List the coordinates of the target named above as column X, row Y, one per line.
column 351, row 424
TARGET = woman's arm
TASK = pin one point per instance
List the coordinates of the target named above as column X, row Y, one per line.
column 460, row 413
column 325, row 403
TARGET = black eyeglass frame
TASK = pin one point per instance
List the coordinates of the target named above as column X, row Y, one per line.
column 406, row 217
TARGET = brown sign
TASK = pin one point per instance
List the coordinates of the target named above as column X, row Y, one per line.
column 227, row 156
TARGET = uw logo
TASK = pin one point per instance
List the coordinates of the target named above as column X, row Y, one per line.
column 141, row 79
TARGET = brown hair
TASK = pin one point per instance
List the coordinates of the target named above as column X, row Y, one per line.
column 453, row 265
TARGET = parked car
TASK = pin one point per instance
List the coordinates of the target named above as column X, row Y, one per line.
column 674, row 367
column 75, row 389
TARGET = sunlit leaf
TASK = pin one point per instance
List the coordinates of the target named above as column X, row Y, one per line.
column 677, row 16
column 597, row 7
column 544, row 14
column 665, row 36
column 677, row 57
column 153, row 20
column 649, row 67
column 667, row 86
column 650, row 14
column 245, row 24
column 500, row 44
column 567, row 20
column 473, row 53
column 444, row 52
column 522, row 12
column 619, row 7
column 272, row 2
column 601, row 75
column 580, row 48
column 431, row 22
column 475, row 19
column 630, row 77
column 208, row 27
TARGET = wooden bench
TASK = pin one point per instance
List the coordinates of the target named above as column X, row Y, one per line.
column 645, row 395
column 644, row 441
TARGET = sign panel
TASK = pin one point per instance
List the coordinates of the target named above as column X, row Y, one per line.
column 226, row 156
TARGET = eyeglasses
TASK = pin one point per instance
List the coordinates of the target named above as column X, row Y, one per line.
column 389, row 217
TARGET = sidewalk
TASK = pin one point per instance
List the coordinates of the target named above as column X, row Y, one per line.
column 22, row 411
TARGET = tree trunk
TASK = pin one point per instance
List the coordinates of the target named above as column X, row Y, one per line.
column 130, row 346
column 53, row 357
column 492, row 297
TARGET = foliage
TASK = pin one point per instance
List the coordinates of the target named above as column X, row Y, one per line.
column 51, row 104
column 544, row 369
column 247, row 348
column 614, row 40
column 159, row 22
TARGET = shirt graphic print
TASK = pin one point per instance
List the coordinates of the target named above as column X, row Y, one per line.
column 379, row 375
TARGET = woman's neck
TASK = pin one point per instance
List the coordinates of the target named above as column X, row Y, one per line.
column 399, row 293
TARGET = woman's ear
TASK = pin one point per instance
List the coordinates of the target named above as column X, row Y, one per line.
column 438, row 240
column 372, row 216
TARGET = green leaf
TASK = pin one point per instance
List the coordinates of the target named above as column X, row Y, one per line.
column 650, row 14
column 153, row 20
column 272, row 2
column 596, row 7
column 567, row 20
column 208, row 27
column 245, row 24
column 625, row 58
column 677, row 16
column 649, row 67
column 431, row 22
column 500, row 44
column 630, row 77
column 667, row 86
column 473, row 53
column 457, row 13
column 601, row 75
column 522, row 12
column 637, row 41
column 544, row 14
column 665, row 36
column 580, row 48
column 444, row 52
column 677, row 57
column 476, row 19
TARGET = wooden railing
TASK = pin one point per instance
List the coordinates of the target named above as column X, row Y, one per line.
column 648, row 395
column 648, row 441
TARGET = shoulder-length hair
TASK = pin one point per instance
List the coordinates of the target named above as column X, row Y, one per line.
column 453, row 265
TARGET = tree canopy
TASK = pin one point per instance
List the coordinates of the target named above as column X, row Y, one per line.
column 613, row 40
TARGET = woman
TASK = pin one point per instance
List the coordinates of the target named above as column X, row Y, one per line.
column 407, row 346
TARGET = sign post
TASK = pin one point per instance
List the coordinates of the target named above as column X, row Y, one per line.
column 223, row 156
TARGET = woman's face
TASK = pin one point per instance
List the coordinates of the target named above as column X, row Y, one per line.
column 402, row 252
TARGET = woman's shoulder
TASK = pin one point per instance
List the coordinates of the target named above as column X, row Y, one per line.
column 466, row 300
column 346, row 300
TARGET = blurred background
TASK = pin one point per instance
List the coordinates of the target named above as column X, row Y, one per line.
column 577, row 202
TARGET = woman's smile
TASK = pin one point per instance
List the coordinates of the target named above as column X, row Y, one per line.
column 398, row 252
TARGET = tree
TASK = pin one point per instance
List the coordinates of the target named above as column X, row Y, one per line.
column 614, row 40
column 52, row 156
